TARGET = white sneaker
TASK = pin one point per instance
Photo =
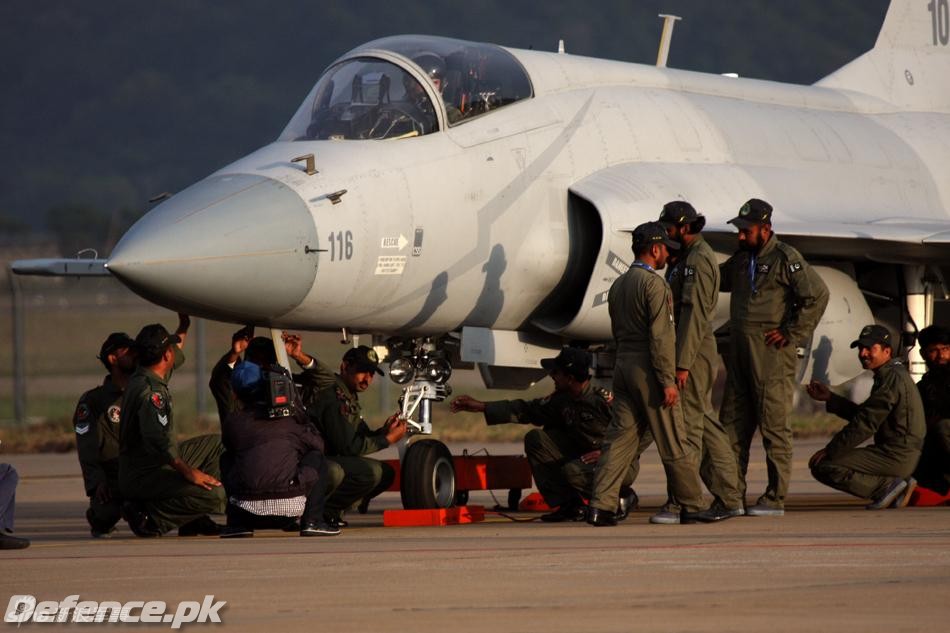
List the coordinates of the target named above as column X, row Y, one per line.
column 762, row 510
column 665, row 517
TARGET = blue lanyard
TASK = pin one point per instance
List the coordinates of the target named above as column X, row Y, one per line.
column 643, row 265
column 752, row 273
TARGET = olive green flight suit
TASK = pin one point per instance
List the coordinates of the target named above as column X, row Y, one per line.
column 337, row 414
column 694, row 281
column 894, row 415
column 933, row 471
column 148, row 445
column 571, row 427
column 641, row 317
column 774, row 288
column 96, row 423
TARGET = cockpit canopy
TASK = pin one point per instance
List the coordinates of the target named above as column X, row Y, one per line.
column 375, row 92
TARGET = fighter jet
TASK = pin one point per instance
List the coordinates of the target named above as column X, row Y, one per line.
column 471, row 201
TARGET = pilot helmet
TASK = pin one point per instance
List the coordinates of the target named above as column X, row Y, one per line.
column 432, row 64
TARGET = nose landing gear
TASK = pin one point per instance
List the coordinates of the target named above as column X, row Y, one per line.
column 427, row 471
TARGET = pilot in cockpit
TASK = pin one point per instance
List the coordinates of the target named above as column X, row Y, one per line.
column 434, row 67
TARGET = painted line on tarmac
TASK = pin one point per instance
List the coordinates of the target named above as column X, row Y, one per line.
column 941, row 544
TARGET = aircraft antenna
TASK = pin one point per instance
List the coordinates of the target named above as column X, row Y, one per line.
column 665, row 37
column 560, row 47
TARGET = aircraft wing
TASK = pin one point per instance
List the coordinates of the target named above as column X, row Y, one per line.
column 883, row 241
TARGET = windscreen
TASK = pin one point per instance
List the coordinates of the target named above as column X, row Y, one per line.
column 366, row 97
column 472, row 78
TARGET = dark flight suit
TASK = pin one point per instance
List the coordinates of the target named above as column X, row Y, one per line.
column 933, row 471
column 571, row 427
column 147, row 448
column 775, row 288
column 96, row 423
column 641, row 317
column 694, row 281
column 336, row 412
column 894, row 415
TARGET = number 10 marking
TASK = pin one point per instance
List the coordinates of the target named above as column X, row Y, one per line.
column 940, row 20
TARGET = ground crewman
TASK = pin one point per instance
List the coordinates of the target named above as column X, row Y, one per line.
column 694, row 281
column 174, row 484
column 645, row 394
column 96, row 423
column 933, row 471
column 564, row 451
column 777, row 301
column 893, row 415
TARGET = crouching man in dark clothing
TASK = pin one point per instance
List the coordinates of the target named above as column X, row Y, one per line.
column 273, row 468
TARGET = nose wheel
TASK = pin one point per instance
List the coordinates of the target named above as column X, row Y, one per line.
column 428, row 476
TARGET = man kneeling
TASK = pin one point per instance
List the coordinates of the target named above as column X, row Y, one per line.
column 273, row 468
column 893, row 414
column 564, row 452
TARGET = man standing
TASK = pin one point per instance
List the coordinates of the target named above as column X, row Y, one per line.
column 564, row 451
column 645, row 393
column 336, row 412
column 96, row 423
column 893, row 414
column 694, row 281
column 777, row 301
column 933, row 471
column 8, row 481
column 177, row 483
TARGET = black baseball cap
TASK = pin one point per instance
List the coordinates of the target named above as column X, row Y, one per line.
column 155, row 338
column 115, row 341
column 754, row 211
column 871, row 334
column 680, row 212
column 363, row 358
column 572, row 361
column 650, row 233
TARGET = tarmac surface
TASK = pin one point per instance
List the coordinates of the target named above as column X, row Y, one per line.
column 827, row 565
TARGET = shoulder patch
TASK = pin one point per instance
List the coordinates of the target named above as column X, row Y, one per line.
column 82, row 412
column 689, row 271
column 163, row 419
column 157, row 400
column 114, row 413
column 794, row 267
column 82, row 428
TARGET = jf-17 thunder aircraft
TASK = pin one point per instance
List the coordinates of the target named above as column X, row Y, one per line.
column 462, row 202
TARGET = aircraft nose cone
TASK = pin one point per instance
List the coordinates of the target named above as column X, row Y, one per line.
column 230, row 247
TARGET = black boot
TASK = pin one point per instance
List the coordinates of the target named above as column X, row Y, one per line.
column 572, row 511
column 601, row 518
column 629, row 501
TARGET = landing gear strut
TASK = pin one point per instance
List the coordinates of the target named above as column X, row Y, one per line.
column 427, row 471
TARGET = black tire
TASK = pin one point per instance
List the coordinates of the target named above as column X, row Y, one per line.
column 428, row 476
